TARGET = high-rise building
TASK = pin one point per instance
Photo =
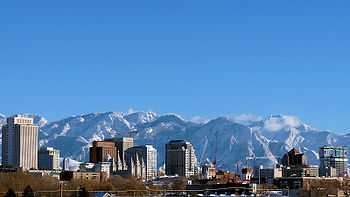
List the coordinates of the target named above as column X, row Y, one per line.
column 122, row 145
column 180, row 158
column 333, row 157
column 294, row 158
column 294, row 164
column 20, row 143
column 103, row 151
column 49, row 159
column 65, row 166
column 142, row 161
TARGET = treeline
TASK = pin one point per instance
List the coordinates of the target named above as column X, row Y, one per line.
column 19, row 181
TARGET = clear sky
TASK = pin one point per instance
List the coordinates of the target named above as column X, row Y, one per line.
column 195, row 58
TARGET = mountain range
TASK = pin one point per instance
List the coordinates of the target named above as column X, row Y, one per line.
column 242, row 140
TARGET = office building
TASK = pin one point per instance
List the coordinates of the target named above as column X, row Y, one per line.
column 180, row 158
column 20, row 143
column 208, row 171
column 122, row 145
column 304, row 171
column 101, row 167
column 83, row 176
column 142, row 162
column 294, row 164
column 267, row 175
column 333, row 157
column 49, row 159
column 103, row 151
column 294, row 158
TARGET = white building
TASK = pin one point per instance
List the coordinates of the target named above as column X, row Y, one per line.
column 20, row 143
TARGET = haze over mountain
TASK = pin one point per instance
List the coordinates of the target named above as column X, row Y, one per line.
column 228, row 139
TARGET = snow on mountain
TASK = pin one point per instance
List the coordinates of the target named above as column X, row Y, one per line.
column 2, row 120
column 140, row 117
column 38, row 120
column 246, row 119
column 72, row 164
column 229, row 140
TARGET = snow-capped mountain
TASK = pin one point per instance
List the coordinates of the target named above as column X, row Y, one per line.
column 244, row 139
column 2, row 119
column 2, row 122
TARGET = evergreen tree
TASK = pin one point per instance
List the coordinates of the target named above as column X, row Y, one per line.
column 83, row 192
column 10, row 193
column 28, row 192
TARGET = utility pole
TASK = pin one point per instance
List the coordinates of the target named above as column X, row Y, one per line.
column 61, row 189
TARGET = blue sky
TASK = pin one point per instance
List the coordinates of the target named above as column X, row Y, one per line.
column 195, row 58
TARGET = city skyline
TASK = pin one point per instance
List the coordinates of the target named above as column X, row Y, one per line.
column 113, row 159
column 192, row 58
column 174, row 98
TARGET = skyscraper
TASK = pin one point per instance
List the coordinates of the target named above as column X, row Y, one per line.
column 294, row 158
column 333, row 157
column 20, row 143
column 49, row 159
column 180, row 158
column 103, row 151
column 142, row 161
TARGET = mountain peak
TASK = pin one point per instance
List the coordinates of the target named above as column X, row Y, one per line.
column 140, row 117
column 173, row 116
column 239, row 136
column 247, row 119
column 281, row 122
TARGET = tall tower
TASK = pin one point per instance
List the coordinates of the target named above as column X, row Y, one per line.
column 333, row 157
column 180, row 158
column 20, row 143
column 103, row 151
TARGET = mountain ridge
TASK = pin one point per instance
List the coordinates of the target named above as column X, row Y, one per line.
column 237, row 137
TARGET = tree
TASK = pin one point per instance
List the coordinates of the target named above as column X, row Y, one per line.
column 83, row 192
column 10, row 193
column 179, row 184
column 28, row 192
